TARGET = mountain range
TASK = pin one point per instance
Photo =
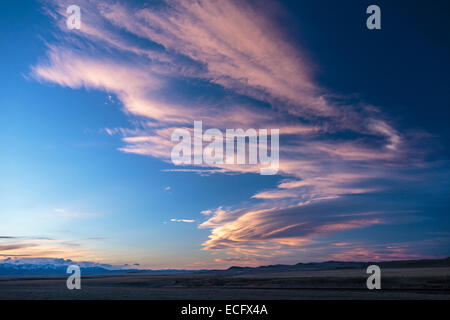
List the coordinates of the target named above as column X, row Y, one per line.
column 57, row 267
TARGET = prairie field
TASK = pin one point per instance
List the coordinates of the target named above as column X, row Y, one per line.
column 397, row 283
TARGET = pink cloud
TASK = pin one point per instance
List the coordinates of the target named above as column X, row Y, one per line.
column 241, row 49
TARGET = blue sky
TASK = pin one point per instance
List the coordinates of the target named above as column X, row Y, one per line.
column 87, row 117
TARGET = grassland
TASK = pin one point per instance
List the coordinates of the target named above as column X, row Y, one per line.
column 397, row 283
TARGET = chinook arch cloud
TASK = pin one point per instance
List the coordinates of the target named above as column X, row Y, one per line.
column 237, row 151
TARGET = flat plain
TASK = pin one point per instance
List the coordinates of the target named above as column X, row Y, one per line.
column 396, row 283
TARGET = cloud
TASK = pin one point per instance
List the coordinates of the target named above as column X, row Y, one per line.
column 292, row 225
column 39, row 246
column 302, row 232
column 231, row 65
column 239, row 45
column 14, row 255
column 16, row 246
column 131, row 84
column 183, row 220
column 74, row 214
column 275, row 194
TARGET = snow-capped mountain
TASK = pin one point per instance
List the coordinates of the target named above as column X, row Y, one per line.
column 54, row 266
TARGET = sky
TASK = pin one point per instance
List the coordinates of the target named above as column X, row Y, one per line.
column 87, row 117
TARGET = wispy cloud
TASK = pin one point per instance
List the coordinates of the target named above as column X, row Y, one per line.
column 16, row 246
column 287, row 225
column 329, row 149
column 73, row 214
column 183, row 220
column 39, row 246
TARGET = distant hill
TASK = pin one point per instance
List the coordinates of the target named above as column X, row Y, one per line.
column 54, row 267
column 58, row 267
column 334, row 265
column 18, row 267
column 47, row 270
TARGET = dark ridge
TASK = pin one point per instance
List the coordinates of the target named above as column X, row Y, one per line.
column 10, row 269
